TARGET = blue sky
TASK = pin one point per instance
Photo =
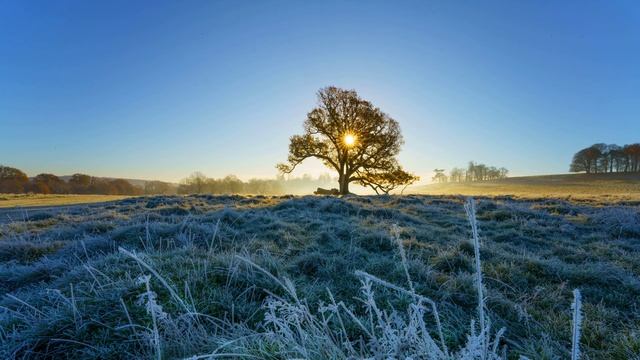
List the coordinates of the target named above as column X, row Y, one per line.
column 158, row 89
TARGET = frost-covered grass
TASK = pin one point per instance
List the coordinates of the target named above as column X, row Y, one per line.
column 317, row 278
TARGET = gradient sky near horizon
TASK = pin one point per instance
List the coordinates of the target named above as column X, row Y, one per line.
column 158, row 89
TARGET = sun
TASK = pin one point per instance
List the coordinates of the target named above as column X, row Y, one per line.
column 349, row 139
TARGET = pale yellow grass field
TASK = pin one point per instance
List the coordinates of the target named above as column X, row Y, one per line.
column 29, row 200
column 579, row 186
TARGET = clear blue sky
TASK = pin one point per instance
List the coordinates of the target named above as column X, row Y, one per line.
column 158, row 89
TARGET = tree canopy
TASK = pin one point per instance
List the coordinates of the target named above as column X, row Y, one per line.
column 354, row 138
column 603, row 158
column 15, row 181
column 12, row 180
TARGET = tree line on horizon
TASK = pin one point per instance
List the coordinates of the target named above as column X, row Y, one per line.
column 607, row 158
column 473, row 172
column 15, row 181
column 198, row 183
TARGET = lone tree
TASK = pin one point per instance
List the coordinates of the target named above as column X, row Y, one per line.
column 354, row 138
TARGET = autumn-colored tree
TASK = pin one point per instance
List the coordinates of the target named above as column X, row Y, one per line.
column 12, row 180
column 353, row 137
column 123, row 187
column 602, row 158
column 38, row 188
column 586, row 160
column 79, row 183
column 48, row 184
column 632, row 151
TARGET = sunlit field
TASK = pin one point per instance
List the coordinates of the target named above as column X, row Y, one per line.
column 29, row 200
column 606, row 187
column 319, row 277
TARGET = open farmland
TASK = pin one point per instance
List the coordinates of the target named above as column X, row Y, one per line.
column 123, row 279
column 608, row 187
column 35, row 200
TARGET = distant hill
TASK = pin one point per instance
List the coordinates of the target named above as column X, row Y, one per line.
column 617, row 185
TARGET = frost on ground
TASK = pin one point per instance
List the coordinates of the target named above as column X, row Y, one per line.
column 318, row 278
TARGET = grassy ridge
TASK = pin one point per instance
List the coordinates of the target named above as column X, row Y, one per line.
column 70, row 292
column 616, row 186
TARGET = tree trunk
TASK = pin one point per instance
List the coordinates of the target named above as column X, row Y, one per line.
column 344, row 185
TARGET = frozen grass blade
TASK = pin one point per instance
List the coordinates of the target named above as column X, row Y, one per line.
column 148, row 299
column 470, row 208
column 576, row 308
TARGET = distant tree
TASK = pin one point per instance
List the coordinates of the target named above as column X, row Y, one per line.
column 602, row 161
column 492, row 173
column 12, row 180
column 503, row 173
column 580, row 162
column 233, row 185
column 100, row 186
column 586, row 160
column 610, row 156
column 439, row 176
column 38, row 188
column 122, row 187
column 632, row 153
column 85, row 184
column 194, row 184
column 48, row 184
column 457, row 175
column 351, row 136
column 476, row 172
column 158, row 188
column 79, row 183
column 603, row 158
column 471, row 173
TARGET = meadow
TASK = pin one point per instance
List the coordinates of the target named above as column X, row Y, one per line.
column 266, row 277
column 608, row 187
column 30, row 200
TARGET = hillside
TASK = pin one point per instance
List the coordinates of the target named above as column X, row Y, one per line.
column 612, row 186
column 181, row 276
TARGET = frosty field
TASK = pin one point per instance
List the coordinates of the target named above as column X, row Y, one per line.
column 179, row 277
